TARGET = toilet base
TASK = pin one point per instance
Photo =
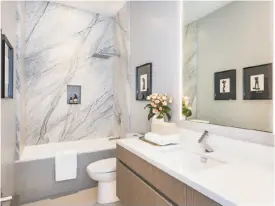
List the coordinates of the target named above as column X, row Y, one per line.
column 106, row 192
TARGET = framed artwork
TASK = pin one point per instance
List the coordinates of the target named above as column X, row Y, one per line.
column 73, row 94
column 257, row 82
column 6, row 68
column 143, row 81
column 225, row 85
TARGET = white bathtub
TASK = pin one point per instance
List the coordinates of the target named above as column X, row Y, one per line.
column 44, row 151
column 36, row 168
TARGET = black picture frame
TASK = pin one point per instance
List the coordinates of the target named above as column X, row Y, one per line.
column 146, row 71
column 4, row 42
column 229, row 92
column 264, row 88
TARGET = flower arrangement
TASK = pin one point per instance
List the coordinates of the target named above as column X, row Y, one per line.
column 159, row 106
column 186, row 107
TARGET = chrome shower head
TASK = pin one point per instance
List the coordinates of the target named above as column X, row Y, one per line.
column 101, row 56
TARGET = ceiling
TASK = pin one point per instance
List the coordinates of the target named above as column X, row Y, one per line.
column 194, row 10
column 106, row 8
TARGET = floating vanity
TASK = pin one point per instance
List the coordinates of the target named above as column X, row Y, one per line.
column 148, row 175
column 141, row 183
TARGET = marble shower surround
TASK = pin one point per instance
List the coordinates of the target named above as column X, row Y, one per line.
column 60, row 42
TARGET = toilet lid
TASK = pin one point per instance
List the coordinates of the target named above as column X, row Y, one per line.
column 103, row 166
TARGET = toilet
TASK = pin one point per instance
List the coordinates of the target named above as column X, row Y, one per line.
column 104, row 171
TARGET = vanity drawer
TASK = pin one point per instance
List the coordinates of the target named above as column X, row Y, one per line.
column 174, row 189
column 140, row 166
column 195, row 198
column 133, row 191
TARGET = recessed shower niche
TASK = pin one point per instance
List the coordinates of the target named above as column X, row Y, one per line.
column 73, row 94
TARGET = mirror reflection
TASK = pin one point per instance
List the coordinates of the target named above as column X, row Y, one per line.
column 227, row 70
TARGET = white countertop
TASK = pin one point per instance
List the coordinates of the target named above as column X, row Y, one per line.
column 236, row 182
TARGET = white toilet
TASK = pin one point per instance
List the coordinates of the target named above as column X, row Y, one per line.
column 104, row 171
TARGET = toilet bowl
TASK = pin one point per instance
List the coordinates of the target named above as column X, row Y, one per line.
column 104, row 171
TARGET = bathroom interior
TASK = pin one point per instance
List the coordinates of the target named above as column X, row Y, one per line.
column 137, row 103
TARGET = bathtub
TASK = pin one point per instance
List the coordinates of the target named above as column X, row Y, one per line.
column 44, row 151
column 35, row 171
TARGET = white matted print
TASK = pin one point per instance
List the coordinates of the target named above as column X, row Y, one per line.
column 257, row 82
column 225, row 85
column 143, row 83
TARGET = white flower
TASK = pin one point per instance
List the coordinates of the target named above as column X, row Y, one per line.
column 186, row 98
column 164, row 103
column 148, row 98
column 157, row 101
column 164, row 97
column 170, row 100
column 153, row 97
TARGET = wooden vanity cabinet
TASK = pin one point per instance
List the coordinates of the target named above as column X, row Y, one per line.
column 131, row 190
column 139, row 183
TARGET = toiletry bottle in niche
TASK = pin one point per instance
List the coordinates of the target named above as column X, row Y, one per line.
column 71, row 101
column 75, row 99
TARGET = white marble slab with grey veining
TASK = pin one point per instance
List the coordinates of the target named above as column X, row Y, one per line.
column 60, row 44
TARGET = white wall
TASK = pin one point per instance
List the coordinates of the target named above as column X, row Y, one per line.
column 155, row 32
column 234, row 37
column 8, row 136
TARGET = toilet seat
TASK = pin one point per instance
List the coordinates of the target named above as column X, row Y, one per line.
column 102, row 166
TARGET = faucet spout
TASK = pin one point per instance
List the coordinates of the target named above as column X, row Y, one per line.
column 205, row 133
column 202, row 140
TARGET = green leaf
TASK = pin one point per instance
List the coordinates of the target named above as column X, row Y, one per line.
column 166, row 108
column 160, row 116
column 147, row 106
column 168, row 116
column 150, row 115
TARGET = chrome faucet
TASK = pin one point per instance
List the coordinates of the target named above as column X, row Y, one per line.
column 202, row 140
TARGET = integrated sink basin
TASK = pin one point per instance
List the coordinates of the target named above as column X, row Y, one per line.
column 190, row 161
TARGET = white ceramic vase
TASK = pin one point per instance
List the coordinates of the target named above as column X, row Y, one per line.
column 156, row 123
column 155, row 120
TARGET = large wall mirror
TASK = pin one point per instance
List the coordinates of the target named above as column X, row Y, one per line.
column 227, row 69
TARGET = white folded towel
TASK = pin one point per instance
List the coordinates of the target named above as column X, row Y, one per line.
column 65, row 165
column 162, row 139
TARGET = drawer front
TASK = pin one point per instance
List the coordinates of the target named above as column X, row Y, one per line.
column 195, row 198
column 132, row 191
column 140, row 166
column 174, row 189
